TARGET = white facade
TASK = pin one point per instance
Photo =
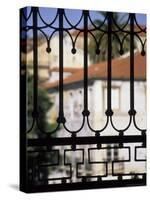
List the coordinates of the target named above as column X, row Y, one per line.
column 51, row 60
column 97, row 102
column 73, row 107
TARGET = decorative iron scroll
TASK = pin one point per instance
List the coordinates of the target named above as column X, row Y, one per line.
column 60, row 148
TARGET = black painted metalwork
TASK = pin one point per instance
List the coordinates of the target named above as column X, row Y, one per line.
column 74, row 144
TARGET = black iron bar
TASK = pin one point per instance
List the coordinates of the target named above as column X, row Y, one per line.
column 61, row 112
column 35, row 61
column 109, row 67
column 88, row 185
column 23, row 107
column 86, row 140
column 85, row 13
column 132, row 62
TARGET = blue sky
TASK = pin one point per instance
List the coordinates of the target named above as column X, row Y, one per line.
column 74, row 16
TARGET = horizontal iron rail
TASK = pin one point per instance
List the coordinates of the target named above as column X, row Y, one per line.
column 86, row 140
column 87, row 185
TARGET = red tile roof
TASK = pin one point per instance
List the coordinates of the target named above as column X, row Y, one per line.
column 120, row 71
column 66, row 69
column 141, row 33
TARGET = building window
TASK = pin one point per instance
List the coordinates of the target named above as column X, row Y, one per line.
column 77, row 109
column 116, row 155
column 112, row 153
column 75, row 103
column 109, row 153
column 80, row 92
column 115, row 98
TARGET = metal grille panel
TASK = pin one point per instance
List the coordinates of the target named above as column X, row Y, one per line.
column 73, row 154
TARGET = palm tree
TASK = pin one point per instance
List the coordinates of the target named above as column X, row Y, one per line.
column 101, row 53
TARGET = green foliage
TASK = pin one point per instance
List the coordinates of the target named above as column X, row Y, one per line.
column 44, row 105
column 120, row 20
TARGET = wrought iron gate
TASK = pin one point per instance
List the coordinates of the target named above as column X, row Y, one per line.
column 29, row 175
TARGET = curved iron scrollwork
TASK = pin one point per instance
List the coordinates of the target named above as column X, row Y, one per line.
column 128, row 30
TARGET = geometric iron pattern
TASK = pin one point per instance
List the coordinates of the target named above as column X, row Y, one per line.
column 86, row 149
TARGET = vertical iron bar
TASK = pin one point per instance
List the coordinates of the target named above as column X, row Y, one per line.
column 132, row 62
column 23, row 116
column 61, row 112
column 85, row 13
column 35, row 60
column 109, row 66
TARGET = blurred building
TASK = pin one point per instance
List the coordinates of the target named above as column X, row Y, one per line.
column 97, row 101
column 48, row 62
